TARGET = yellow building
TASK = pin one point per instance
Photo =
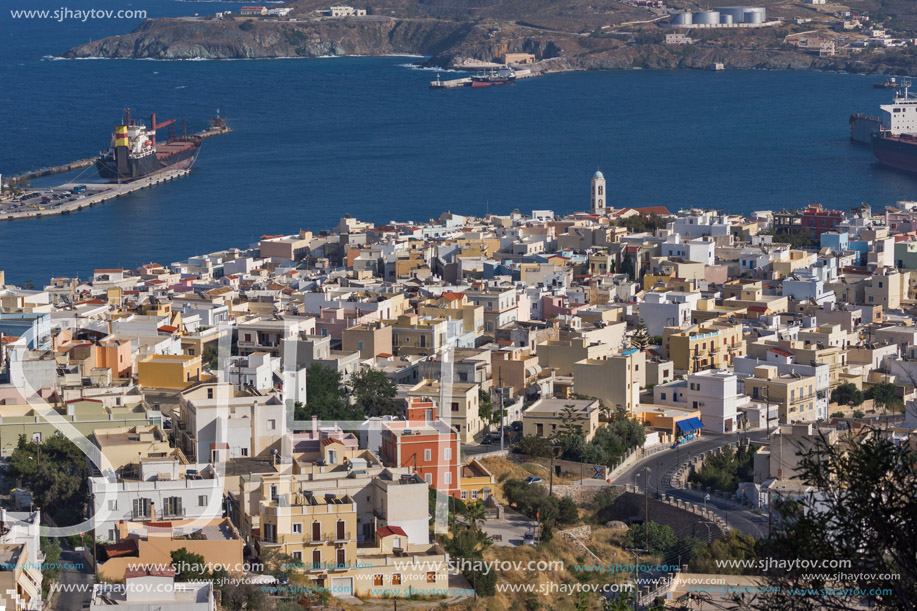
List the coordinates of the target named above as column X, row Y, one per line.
column 710, row 345
column 794, row 395
column 176, row 371
column 476, row 483
column 455, row 306
column 20, row 578
column 616, row 380
column 412, row 334
column 461, row 410
column 548, row 418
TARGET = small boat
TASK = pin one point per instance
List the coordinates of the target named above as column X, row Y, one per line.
column 890, row 83
column 500, row 77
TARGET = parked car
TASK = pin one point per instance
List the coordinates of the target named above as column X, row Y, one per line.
column 529, row 538
column 517, row 425
column 488, row 439
column 533, row 479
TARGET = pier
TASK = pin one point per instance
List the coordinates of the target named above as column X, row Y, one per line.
column 85, row 163
column 68, row 201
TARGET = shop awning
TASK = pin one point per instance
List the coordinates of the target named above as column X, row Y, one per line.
column 685, row 425
column 696, row 423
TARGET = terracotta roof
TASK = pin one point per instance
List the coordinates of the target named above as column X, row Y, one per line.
column 124, row 548
column 780, row 352
column 452, row 296
column 757, row 308
column 108, row 271
column 388, row 531
column 167, row 329
column 329, row 440
column 653, row 210
column 152, row 570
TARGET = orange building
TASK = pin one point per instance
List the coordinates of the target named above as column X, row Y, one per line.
column 430, row 448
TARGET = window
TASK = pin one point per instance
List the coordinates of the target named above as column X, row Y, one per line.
column 455, row 406
column 113, row 505
column 36, row 437
column 396, row 579
column 431, row 577
column 173, row 506
column 297, row 556
column 316, row 531
column 297, row 528
column 428, row 478
column 141, row 508
column 210, row 393
column 662, row 396
column 463, row 495
column 271, row 424
column 359, row 345
column 316, row 559
column 377, row 580
column 341, row 557
column 448, row 477
column 428, row 454
column 447, row 454
column 474, row 495
column 273, row 492
column 202, row 500
column 324, row 332
column 244, row 452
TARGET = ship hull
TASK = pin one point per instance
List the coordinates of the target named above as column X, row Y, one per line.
column 896, row 152
column 148, row 165
column 489, row 83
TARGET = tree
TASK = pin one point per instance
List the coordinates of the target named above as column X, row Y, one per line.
column 486, row 409
column 569, row 422
column 475, row 513
column 661, row 538
column 567, row 511
column 628, row 267
column 325, row 394
column 373, row 392
column 50, row 568
column 189, row 566
column 847, row 394
column 864, row 514
column 56, row 478
column 210, row 356
column 532, row 445
column 716, row 557
column 640, row 338
column 884, row 394
column 469, row 543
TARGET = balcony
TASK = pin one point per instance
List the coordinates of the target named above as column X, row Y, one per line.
column 345, row 536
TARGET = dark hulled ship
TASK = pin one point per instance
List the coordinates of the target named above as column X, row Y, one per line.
column 895, row 142
column 134, row 152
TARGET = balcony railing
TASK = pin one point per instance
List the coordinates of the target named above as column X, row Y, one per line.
column 346, row 536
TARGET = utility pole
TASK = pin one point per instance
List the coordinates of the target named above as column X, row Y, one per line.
column 636, row 551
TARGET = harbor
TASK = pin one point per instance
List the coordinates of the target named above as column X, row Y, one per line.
column 73, row 197
column 217, row 127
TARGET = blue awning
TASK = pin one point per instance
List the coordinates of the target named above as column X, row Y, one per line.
column 696, row 423
column 685, row 425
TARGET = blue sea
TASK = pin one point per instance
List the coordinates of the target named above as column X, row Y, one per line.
column 317, row 138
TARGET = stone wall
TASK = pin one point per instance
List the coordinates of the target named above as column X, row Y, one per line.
column 687, row 519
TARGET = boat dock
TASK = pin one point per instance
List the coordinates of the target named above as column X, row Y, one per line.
column 85, row 163
column 451, row 84
column 73, row 197
column 466, row 81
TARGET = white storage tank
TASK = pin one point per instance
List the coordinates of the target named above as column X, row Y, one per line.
column 681, row 19
column 706, row 18
column 755, row 15
column 725, row 19
column 737, row 13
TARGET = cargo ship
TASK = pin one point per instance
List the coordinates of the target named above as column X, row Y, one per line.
column 895, row 142
column 500, row 77
column 890, row 83
column 134, row 152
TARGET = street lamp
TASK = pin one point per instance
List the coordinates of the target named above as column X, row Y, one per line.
column 706, row 498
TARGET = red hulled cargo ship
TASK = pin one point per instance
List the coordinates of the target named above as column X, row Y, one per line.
column 895, row 143
column 134, row 152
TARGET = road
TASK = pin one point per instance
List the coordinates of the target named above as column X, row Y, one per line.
column 664, row 463
column 70, row 600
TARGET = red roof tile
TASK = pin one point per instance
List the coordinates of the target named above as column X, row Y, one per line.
column 388, row 531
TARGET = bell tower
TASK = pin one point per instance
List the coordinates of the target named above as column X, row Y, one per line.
column 598, row 193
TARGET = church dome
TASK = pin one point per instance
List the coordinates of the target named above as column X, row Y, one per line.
column 598, row 174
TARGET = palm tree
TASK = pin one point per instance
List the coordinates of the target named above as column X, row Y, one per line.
column 476, row 514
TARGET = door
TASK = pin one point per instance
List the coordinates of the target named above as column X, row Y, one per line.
column 342, row 586
column 316, row 531
column 341, row 535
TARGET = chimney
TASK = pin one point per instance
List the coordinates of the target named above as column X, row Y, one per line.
column 152, row 512
column 314, row 427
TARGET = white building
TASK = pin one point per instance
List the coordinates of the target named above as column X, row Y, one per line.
column 744, row 367
column 698, row 250
column 714, row 393
column 700, row 224
column 667, row 309
column 150, row 588
column 164, row 489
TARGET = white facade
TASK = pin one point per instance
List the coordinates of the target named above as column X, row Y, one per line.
column 165, row 490
column 698, row 250
column 716, row 395
column 667, row 309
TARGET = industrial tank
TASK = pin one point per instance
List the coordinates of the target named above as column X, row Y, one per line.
column 725, row 19
column 681, row 19
column 706, row 18
column 755, row 15
column 737, row 13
